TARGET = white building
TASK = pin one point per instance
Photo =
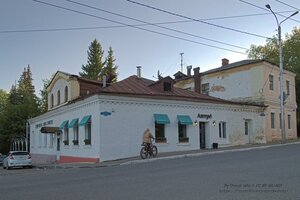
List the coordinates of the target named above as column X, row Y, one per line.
column 89, row 121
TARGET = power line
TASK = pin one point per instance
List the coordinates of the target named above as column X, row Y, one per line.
column 262, row 8
column 287, row 5
column 152, row 24
column 197, row 20
column 156, row 32
column 122, row 26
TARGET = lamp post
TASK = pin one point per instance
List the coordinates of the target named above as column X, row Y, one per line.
column 282, row 121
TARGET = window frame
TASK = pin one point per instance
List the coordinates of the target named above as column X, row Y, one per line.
column 66, row 93
column 289, row 121
column 205, row 88
column 88, row 133
column 272, row 118
column 75, row 135
column 222, row 130
column 271, row 82
column 182, row 133
column 160, row 136
column 287, row 87
column 58, row 97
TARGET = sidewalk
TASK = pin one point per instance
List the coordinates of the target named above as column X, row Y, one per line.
column 165, row 155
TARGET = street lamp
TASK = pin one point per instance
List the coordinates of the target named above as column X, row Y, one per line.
column 281, row 72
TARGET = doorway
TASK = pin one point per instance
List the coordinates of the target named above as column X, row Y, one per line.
column 202, row 135
column 247, row 126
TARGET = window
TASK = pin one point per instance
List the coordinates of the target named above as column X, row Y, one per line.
column 272, row 120
column 45, row 140
column 289, row 122
column 205, row 88
column 58, row 97
column 222, row 129
column 182, row 136
column 160, row 133
column 51, row 140
column 271, row 82
column 75, row 131
column 66, row 136
column 52, row 101
column 66, row 93
column 246, row 128
column 287, row 88
column 88, row 131
column 280, row 124
column 167, row 86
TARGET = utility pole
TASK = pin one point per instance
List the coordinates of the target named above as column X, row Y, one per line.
column 282, row 121
column 181, row 62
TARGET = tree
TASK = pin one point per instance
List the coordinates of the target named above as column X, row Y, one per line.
column 44, row 95
column 110, row 69
column 21, row 105
column 93, row 68
column 291, row 57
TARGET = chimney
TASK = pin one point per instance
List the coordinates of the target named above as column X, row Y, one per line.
column 138, row 71
column 104, row 81
column 225, row 61
column 188, row 69
column 197, row 80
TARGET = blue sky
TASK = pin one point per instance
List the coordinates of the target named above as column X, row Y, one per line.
column 49, row 51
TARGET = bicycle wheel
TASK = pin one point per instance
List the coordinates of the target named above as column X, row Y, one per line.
column 154, row 151
column 144, row 153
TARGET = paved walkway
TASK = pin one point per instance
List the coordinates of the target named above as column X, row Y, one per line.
column 166, row 155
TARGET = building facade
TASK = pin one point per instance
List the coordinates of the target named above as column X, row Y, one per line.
column 90, row 121
column 251, row 81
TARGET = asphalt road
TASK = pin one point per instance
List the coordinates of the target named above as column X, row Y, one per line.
column 272, row 173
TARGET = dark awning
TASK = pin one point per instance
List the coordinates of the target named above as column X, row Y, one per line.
column 184, row 119
column 161, row 119
column 50, row 129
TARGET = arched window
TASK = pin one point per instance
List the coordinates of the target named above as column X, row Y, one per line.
column 52, row 101
column 66, row 93
column 58, row 97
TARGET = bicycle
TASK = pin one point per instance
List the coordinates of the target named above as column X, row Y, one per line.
column 148, row 151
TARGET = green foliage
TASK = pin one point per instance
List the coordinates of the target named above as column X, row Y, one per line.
column 96, row 68
column 291, row 56
column 44, row 95
column 110, row 69
column 21, row 104
column 93, row 68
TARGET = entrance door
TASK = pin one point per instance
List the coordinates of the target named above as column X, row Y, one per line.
column 58, row 142
column 202, row 134
column 247, row 124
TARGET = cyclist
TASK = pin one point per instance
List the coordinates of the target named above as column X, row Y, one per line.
column 147, row 136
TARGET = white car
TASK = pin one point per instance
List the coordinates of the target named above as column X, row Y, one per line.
column 17, row 159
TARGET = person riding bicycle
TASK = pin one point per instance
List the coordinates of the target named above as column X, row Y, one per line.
column 147, row 136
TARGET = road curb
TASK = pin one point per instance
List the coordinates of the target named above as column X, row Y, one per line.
column 206, row 153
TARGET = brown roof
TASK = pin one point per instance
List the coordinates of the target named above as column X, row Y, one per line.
column 141, row 87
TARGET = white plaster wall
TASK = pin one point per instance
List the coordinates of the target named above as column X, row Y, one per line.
column 121, row 132
column 78, row 110
column 59, row 85
column 238, row 84
column 119, row 135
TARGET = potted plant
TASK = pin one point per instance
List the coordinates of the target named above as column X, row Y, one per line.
column 87, row 141
column 66, row 142
column 75, row 142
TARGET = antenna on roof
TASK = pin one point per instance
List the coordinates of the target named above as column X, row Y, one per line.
column 181, row 61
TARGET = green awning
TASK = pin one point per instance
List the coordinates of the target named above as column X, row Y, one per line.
column 161, row 119
column 85, row 120
column 64, row 124
column 73, row 123
column 184, row 119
